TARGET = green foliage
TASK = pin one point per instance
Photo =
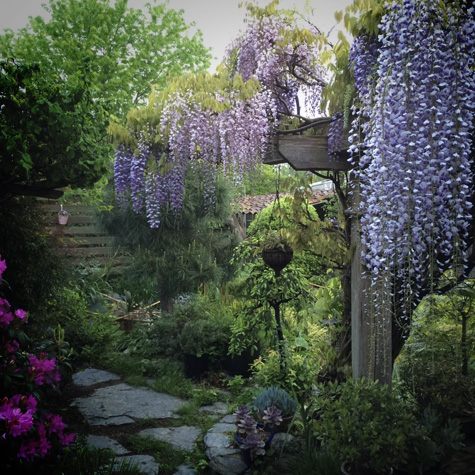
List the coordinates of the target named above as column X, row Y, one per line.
column 435, row 441
column 80, row 459
column 52, row 134
column 87, row 58
column 365, row 424
column 91, row 336
column 92, row 38
column 257, row 291
column 188, row 252
column 437, row 365
column 33, row 267
column 169, row 457
column 274, row 396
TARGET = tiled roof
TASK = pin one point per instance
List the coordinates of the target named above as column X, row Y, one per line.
column 255, row 204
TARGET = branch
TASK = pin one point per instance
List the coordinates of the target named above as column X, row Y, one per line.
column 313, row 123
column 11, row 190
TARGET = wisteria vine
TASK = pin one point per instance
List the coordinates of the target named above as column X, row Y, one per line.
column 416, row 96
column 228, row 128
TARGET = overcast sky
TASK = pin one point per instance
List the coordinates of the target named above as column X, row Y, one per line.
column 219, row 20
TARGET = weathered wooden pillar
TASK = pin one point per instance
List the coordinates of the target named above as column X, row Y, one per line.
column 370, row 326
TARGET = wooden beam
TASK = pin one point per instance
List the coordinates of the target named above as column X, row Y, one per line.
column 305, row 152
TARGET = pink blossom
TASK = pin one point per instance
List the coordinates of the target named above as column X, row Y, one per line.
column 20, row 314
column 39, row 446
column 67, row 439
column 6, row 315
column 3, row 266
column 54, row 423
column 17, row 421
column 42, row 370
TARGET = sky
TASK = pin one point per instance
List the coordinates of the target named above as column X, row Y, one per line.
column 220, row 21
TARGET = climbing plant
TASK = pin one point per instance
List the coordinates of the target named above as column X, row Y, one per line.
column 411, row 142
column 222, row 120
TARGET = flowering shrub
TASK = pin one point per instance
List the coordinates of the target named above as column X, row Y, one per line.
column 27, row 430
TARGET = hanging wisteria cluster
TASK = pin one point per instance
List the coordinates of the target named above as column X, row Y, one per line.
column 416, row 97
column 287, row 65
column 225, row 129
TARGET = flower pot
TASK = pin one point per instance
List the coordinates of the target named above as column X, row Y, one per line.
column 277, row 259
column 246, row 453
column 63, row 218
column 196, row 366
column 240, row 364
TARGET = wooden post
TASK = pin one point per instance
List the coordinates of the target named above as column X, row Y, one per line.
column 370, row 327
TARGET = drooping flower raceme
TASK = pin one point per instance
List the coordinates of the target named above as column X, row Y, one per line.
column 221, row 121
column 416, row 112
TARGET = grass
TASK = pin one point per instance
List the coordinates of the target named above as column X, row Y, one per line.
column 168, row 457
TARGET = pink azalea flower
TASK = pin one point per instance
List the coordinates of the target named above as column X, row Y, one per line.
column 30, row 447
column 20, row 314
column 3, row 266
column 5, row 315
column 67, row 439
column 17, row 422
column 42, row 370
column 55, row 423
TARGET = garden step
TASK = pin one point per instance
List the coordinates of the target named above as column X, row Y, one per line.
column 125, row 404
column 181, row 438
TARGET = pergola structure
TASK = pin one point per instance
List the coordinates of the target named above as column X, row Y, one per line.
column 371, row 335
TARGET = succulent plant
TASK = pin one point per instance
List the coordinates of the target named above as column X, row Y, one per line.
column 247, row 425
column 274, row 396
column 255, row 444
column 272, row 416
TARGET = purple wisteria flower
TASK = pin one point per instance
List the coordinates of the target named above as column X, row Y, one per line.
column 411, row 139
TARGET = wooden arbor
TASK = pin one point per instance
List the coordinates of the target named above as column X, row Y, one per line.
column 371, row 334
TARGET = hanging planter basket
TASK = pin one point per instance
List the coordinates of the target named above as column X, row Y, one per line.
column 277, row 259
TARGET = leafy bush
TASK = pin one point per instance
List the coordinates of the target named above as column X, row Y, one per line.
column 365, row 424
column 431, row 364
column 29, row 432
column 34, row 269
column 90, row 335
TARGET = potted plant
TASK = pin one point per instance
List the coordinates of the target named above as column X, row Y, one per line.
column 279, row 398
column 204, row 345
column 254, row 438
column 63, row 216
column 277, row 252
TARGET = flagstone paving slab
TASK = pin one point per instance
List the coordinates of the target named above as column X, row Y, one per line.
column 102, row 442
column 122, row 404
column 181, row 438
column 91, row 376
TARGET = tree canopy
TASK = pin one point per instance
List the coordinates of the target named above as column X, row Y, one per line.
column 91, row 61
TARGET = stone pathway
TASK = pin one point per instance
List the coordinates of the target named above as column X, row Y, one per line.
column 116, row 404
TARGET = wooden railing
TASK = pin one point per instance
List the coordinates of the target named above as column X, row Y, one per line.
column 81, row 240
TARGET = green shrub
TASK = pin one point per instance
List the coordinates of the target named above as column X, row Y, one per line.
column 365, row 424
column 34, row 268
